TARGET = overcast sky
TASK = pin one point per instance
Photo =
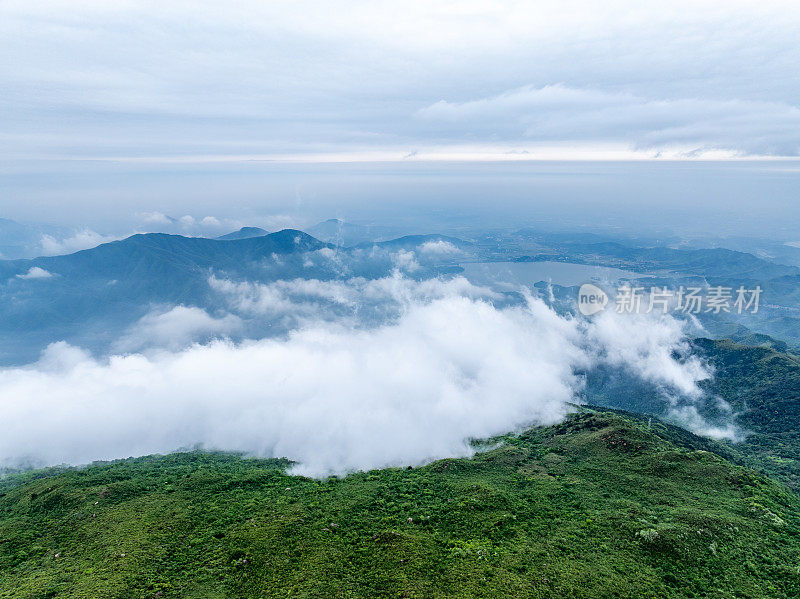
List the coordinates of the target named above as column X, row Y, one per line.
column 247, row 111
column 205, row 80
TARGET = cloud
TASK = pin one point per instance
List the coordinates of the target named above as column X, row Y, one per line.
column 358, row 300
column 175, row 328
column 649, row 347
column 236, row 80
column 405, row 260
column 439, row 247
column 188, row 224
column 689, row 417
column 211, row 222
column 331, row 396
column 557, row 113
column 36, row 273
column 157, row 218
column 82, row 240
column 284, row 296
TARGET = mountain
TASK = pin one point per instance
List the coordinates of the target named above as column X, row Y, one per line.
column 346, row 234
column 602, row 505
column 88, row 297
column 141, row 253
column 413, row 242
column 91, row 297
column 762, row 385
column 244, row 233
column 711, row 263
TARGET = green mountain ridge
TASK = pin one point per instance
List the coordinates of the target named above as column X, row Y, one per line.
column 762, row 385
column 605, row 504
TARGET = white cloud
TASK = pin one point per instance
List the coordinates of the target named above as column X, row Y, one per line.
column 155, row 217
column 211, row 222
column 365, row 301
column 406, row 261
column 439, row 247
column 175, row 328
column 81, row 240
column 188, row 224
column 648, row 345
column 689, row 417
column 332, row 397
column 34, row 272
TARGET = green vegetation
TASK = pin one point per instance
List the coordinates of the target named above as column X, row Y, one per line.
column 762, row 386
column 602, row 505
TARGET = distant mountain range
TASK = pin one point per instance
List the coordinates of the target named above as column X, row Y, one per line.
column 342, row 233
column 88, row 296
column 244, row 233
column 120, row 257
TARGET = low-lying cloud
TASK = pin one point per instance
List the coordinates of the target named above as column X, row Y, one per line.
column 439, row 247
column 176, row 328
column 35, row 272
column 80, row 240
column 333, row 397
column 358, row 301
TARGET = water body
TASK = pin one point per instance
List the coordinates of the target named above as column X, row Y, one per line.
column 510, row 275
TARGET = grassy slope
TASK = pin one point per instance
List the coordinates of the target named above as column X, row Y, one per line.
column 599, row 506
column 760, row 383
column 763, row 387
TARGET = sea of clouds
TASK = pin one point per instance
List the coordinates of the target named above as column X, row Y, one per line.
column 371, row 373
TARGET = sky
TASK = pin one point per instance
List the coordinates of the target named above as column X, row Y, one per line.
column 205, row 116
column 113, row 109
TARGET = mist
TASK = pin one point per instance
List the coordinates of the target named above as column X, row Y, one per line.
column 635, row 198
column 333, row 395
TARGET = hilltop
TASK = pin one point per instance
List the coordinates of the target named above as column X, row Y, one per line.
column 602, row 505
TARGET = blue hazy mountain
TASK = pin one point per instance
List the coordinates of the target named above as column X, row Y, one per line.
column 346, row 234
column 244, row 233
column 715, row 262
column 89, row 296
column 411, row 242
column 594, row 249
column 152, row 256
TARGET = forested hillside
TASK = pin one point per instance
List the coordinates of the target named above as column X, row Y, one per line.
column 602, row 505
